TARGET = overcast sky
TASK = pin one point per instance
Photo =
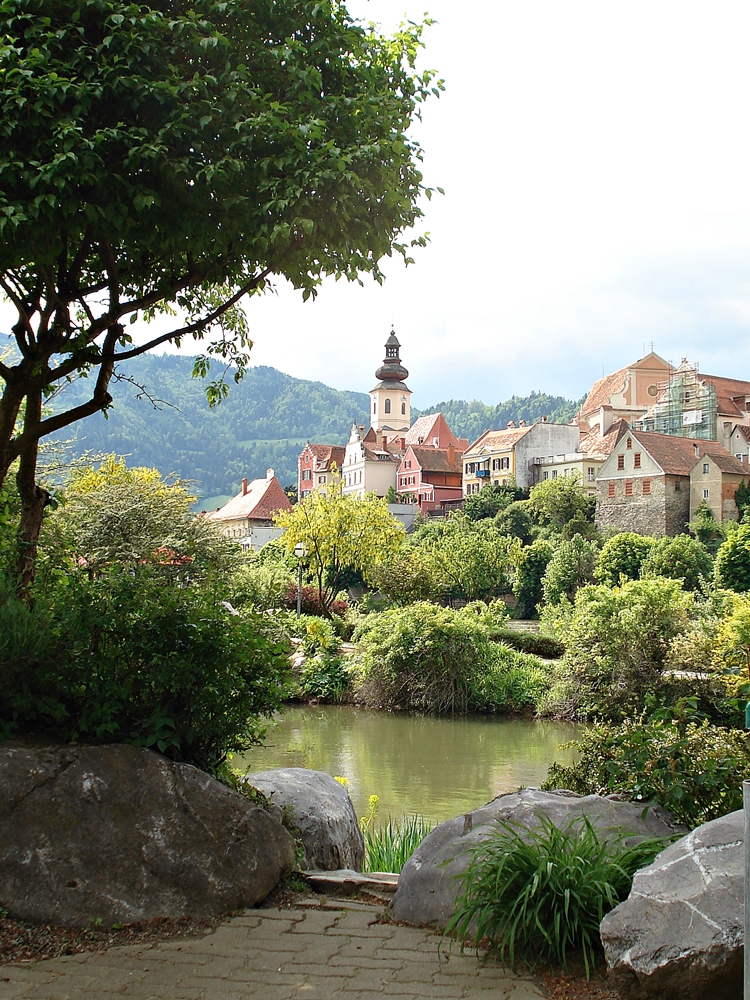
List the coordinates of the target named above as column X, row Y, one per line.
column 595, row 158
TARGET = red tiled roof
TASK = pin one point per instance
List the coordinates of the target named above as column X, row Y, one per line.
column 499, row 440
column 603, row 390
column 436, row 460
column 677, row 456
column 728, row 463
column 593, row 443
column 263, row 498
column 326, row 455
column 727, row 390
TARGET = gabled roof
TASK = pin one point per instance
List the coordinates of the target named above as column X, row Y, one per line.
column 676, row 456
column 603, row 390
column 594, row 443
column 261, row 501
column 327, row 454
column 727, row 391
column 745, row 431
column 498, row 440
column 434, row 425
column 435, row 459
column 727, row 463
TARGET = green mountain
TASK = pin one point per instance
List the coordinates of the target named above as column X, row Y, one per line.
column 263, row 423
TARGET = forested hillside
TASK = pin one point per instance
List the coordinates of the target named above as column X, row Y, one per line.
column 263, row 423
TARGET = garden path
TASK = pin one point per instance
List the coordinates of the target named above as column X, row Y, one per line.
column 275, row 954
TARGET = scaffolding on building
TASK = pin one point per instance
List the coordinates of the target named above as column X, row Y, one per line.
column 685, row 406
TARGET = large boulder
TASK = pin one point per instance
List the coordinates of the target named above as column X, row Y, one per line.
column 427, row 888
column 679, row 935
column 320, row 808
column 119, row 834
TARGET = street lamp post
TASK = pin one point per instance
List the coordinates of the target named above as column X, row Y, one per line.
column 300, row 551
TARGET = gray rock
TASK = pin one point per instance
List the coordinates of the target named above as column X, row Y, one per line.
column 322, row 811
column 679, row 935
column 119, row 834
column 427, row 887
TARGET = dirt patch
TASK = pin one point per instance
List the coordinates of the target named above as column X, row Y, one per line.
column 572, row 985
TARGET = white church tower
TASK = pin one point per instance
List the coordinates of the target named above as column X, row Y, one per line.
column 390, row 400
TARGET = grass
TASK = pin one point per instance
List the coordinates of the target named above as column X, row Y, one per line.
column 539, row 895
column 389, row 847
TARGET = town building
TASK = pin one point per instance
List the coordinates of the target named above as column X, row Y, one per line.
column 430, row 477
column 316, row 467
column 497, row 456
column 432, row 430
column 390, row 400
column 371, row 461
column 248, row 517
column 625, row 394
column 653, row 483
column 585, row 462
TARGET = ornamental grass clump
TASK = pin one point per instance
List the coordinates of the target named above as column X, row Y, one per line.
column 538, row 895
column 389, row 847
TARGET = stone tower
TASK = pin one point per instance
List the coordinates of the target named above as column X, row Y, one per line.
column 390, row 400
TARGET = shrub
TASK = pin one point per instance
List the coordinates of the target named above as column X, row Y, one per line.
column 515, row 521
column 622, row 557
column 389, row 847
column 263, row 585
column 423, row 657
column 680, row 558
column 571, row 567
column 512, row 683
column 617, row 642
column 531, row 565
column 694, row 771
column 129, row 658
column 311, row 602
column 555, row 502
column 732, row 568
column 537, row 895
column 407, row 577
column 530, row 642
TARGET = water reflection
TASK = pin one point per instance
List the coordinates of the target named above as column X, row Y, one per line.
column 438, row 767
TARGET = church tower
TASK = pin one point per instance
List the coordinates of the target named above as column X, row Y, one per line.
column 390, row 400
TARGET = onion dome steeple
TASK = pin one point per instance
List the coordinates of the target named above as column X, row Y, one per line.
column 392, row 370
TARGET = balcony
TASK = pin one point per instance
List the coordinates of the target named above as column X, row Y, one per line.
column 483, row 473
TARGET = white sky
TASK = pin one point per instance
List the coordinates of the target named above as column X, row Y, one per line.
column 595, row 161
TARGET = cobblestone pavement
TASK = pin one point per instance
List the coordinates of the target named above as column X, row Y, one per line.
column 311, row 954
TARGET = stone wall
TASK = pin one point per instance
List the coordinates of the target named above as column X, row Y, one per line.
column 665, row 511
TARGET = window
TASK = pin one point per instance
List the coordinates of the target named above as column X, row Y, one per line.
column 705, row 468
column 321, row 479
column 495, row 464
column 407, row 464
column 629, row 443
column 504, row 463
column 387, row 406
column 677, row 488
column 546, row 474
column 628, row 487
column 592, row 473
column 610, row 489
column 646, row 487
column 306, row 474
column 637, row 460
column 374, row 406
column 403, row 409
column 705, row 494
column 620, row 462
column 554, row 473
column 738, row 457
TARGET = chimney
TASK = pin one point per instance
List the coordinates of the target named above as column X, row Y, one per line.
column 403, row 444
column 269, row 475
column 511, row 423
column 244, row 486
column 361, row 430
column 384, row 442
column 606, row 419
column 451, row 455
column 521, row 423
column 544, row 419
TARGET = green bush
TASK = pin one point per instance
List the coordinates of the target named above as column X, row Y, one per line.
column 694, row 771
column 512, row 683
column 733, row 561
column 616, row 646
column 570, row 568
column 323, row 674
column 530, row 642
column 531, row 565
column 424, row 657
column 515, row 521
column 622, row 556
column 132, row 658
column 679, row 558
column 389, row 847
column 262, row 585
column 537, row 895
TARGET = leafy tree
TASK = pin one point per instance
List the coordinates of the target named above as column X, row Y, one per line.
column 407, row 577
column 341, row 533
column 706, row 528
column 155, row 158
column 617, row 642
column 531, row 565
column 291, row 492
column 515, row 521
column 390, row 495
column 491, row 499
column 733, row 645
column 116, row 515
column 469, row 560
column 679, row 558
column 732, row 567
column 622, row 557
column 554, row 502
column 742, row 498
column 570, row 568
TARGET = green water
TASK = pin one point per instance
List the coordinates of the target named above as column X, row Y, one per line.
column 436, row 767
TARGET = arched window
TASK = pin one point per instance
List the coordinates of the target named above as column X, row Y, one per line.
column 403, row 409
column 387, row 406
column 374, row 406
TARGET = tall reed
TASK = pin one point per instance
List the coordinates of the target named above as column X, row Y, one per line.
column 389, row 847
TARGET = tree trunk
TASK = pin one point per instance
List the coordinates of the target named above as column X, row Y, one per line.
column 33, row 501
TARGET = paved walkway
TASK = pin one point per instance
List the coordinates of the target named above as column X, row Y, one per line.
column 275, row 955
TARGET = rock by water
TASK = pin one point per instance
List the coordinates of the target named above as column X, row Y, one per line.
column 427, row 887
column 679, row 935
column 320, row 807
column 118, row 834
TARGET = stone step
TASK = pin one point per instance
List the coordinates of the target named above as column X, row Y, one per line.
column 344, row 880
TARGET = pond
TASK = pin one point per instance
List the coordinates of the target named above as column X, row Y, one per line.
column 435, row 767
